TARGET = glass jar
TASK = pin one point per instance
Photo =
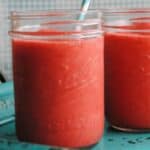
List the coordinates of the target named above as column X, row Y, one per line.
column 58, row 77
column 127, row 68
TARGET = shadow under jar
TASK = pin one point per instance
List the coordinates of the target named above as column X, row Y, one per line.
column 127, row 69
column 58, row 76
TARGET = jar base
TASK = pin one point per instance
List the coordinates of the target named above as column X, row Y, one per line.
column 67, row 148
column 129, row 129
column 53, row 147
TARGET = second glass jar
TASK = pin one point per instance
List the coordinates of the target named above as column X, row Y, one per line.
column 127, row 69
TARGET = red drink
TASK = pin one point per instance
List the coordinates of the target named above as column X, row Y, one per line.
column 59, row 89
column 127, row 60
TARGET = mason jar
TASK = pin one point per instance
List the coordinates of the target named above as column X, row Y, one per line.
column 127, row 68
column 58, row 70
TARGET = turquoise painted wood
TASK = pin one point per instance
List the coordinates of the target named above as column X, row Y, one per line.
column 112, row 140
column 6, row 88
column 6, row 102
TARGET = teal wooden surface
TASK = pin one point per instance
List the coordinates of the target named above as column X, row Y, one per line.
column 6, row 102
column 112, row 140
column 6, row 88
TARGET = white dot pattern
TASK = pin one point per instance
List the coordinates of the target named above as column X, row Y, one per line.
column 10, row 5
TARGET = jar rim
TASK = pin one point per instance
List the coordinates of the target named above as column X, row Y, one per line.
column 58, row 19
column 136, row 20
column 50, row 13
column 125, row 11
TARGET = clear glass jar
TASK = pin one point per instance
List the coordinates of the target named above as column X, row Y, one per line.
column 127, row 68
column 58, row 76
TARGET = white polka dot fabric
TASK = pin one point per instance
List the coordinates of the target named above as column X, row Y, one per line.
column 10, row 5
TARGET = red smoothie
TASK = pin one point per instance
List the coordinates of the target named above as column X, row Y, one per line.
column 59, row 90
column 127, row 61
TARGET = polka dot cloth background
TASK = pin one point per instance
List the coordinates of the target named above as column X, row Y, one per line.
column 10, row 5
